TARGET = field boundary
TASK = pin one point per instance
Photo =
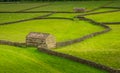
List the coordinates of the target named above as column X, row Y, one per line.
column 62, row 55
column 56, row 18
column 24, row 10
column 79, row 60
column 70, row 57
column 111, row 23
column 17, row 44
column 100, row 7
column 23, row 20
column 111, row 7
column 43, row 17
column 107, row 28
column 69, row 42
column 39, row 18
column 117, row 10
column 100, row 12
column 38, row 12
column 80, row 12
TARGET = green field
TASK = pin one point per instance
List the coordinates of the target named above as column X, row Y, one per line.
column 103, row 9
column 114, row 4
column 18, row 6
column 106, row 17
column 8, row 17
column 69, row 6
column 29, row 60
column 65, row 27
column 103, row 49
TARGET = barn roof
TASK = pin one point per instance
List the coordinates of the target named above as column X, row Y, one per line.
column 38, row 35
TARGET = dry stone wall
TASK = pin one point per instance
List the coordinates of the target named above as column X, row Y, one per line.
column 34, row 38
column 79, row 60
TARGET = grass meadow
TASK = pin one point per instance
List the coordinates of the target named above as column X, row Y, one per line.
column 65, row 27
column 18, row 6
column 29, row 60
column 103, row 49
column 8, row 17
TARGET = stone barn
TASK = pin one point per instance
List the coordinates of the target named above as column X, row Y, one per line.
column 43, row 40
column 79, row 9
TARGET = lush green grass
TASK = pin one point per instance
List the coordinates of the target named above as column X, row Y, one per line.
column 29, row 60
column 72, row 15
column 115, row 4
column 62, row 29
column 102, row 10
column 9, row 17
column 68, row 6
column 106, row 17
column 102, row 49
column 18, row 6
